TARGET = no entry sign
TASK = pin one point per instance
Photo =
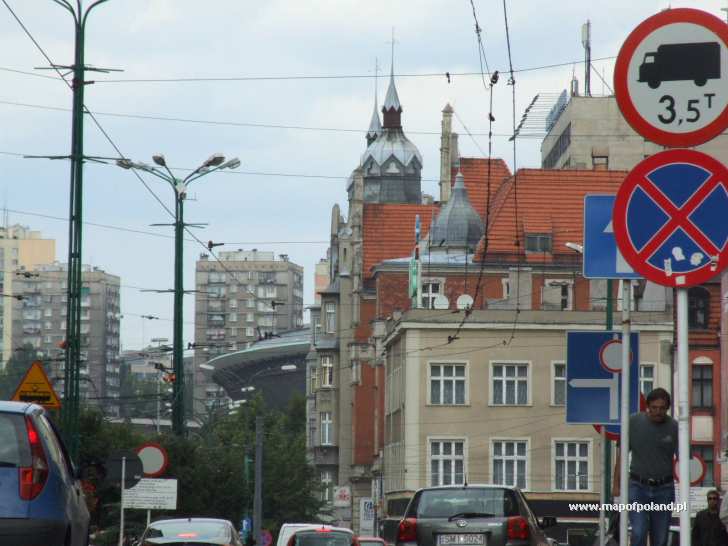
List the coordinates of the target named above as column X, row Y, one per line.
column 671, row 77
column 670, row 218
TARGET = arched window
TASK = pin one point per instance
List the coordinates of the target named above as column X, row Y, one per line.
column 698, row 306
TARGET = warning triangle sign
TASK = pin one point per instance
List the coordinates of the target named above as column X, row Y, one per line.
column 36, row 388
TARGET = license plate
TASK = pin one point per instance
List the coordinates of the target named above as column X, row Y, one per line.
column 461, row 540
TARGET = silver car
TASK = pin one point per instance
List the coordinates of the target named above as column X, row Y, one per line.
column 471, row 515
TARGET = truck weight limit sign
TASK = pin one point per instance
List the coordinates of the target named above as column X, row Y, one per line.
column 671, row 77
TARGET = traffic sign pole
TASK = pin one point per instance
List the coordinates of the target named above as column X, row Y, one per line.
column 624, row 429
column 683, row 419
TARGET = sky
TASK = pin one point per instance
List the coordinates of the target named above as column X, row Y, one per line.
column 285, row 86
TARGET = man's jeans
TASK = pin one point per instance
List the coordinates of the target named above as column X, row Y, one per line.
column 656, row 523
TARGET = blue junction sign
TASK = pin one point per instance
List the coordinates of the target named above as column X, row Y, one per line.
column 594, row 377
column 602, row 259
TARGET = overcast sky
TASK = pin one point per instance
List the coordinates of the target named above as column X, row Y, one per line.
column 227, row 41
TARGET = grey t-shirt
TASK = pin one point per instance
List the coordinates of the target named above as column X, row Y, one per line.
column 652, row 446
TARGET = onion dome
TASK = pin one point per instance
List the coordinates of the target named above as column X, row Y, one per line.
column 458, row 225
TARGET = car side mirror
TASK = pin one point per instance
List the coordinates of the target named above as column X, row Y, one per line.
column 548, row 521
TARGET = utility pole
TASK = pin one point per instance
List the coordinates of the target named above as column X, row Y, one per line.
column 258, row 497
column 72, row 368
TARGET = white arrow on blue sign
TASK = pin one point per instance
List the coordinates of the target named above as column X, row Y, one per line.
column 602, row 259
column 594, row 378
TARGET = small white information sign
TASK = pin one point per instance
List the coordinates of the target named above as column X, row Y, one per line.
column 152, row 494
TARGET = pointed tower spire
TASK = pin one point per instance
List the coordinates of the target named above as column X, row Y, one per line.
column 375, row 126
column 392, row 109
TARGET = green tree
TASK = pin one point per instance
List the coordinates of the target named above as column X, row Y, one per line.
column 15, row 368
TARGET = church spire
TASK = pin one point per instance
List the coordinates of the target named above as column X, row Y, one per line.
column 375, row 126
column 392, row 109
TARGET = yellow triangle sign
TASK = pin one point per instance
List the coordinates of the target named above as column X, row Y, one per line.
column 36, row 388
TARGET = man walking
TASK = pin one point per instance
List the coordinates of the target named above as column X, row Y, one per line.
column 652, row 443
column 708, row 530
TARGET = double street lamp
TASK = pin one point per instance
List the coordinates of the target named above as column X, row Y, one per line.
column 216, row 162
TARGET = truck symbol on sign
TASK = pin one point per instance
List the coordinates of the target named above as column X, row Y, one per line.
column 698, row 62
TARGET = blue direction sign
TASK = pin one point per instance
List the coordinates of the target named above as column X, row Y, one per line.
column 594, row 378
column 602, row 259
column 670, row 218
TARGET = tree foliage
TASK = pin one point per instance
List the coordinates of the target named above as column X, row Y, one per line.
column 210, row 467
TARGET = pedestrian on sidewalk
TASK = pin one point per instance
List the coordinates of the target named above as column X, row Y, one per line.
column 652, row 443
column 708, row 530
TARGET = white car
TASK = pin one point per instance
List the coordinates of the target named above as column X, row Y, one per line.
column 287, row 530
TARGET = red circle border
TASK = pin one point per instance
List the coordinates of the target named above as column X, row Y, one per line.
column 619, row 220
column 621, row 90
column 165, row 456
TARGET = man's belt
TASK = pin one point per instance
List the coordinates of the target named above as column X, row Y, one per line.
column 650, row 481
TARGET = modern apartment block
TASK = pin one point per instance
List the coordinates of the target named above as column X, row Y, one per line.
column 20, row 247
column 250, row 294
column 591, row 133
column 40, row 324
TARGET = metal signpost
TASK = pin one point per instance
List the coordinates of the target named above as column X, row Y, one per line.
column 671, row 85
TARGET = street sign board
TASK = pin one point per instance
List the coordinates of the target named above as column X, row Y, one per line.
column 669, row 218
column 613, row 432
column 154, row 459
column 671, row 77
column 594, row 378
column 602, row 259
column 36, row 388
column 152, row 494
column 133, row 469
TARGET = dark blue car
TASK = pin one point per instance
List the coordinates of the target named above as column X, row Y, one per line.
column 41, row 500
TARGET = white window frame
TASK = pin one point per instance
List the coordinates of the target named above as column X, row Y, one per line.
column 442, row 379
column 526, row 457
column 250, row 303
column 330, row 317
column 427, row 297
column 506, row 287
column 327, row 371
column 250, row 317
column 430, row 440
column 554, row 378
column 578, row 458
column 233, row 317
column 643, row 379
column 327, row 481
column 250, row 331
column 492, row 378
column 327, row 428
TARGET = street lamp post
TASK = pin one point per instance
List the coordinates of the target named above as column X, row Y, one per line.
column 179, row 185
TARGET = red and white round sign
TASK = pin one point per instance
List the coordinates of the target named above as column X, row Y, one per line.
column 154, row 459
column 696, row 467
column 671, row 77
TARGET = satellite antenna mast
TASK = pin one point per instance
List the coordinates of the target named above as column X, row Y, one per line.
column 586, row 42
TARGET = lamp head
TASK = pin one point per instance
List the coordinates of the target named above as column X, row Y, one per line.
column 576, row 247
column 159, row 160
column 124, row 163
column 214, row 160
column 232, row 164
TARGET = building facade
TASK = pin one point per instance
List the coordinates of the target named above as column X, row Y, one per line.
column 250, row 295
column 40, row 326
column 20, row 249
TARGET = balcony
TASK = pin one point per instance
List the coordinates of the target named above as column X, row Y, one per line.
column 326, row 455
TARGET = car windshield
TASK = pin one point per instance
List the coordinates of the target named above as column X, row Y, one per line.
column 14, row 450
column 188, row 529
column 321, row 538
column 444, row 503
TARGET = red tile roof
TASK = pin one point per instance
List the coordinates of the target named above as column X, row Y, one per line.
column 475, row 173
column 389, row 231
column 549, row 201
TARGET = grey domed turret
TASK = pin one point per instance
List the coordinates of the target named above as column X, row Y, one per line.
column 458, row 225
